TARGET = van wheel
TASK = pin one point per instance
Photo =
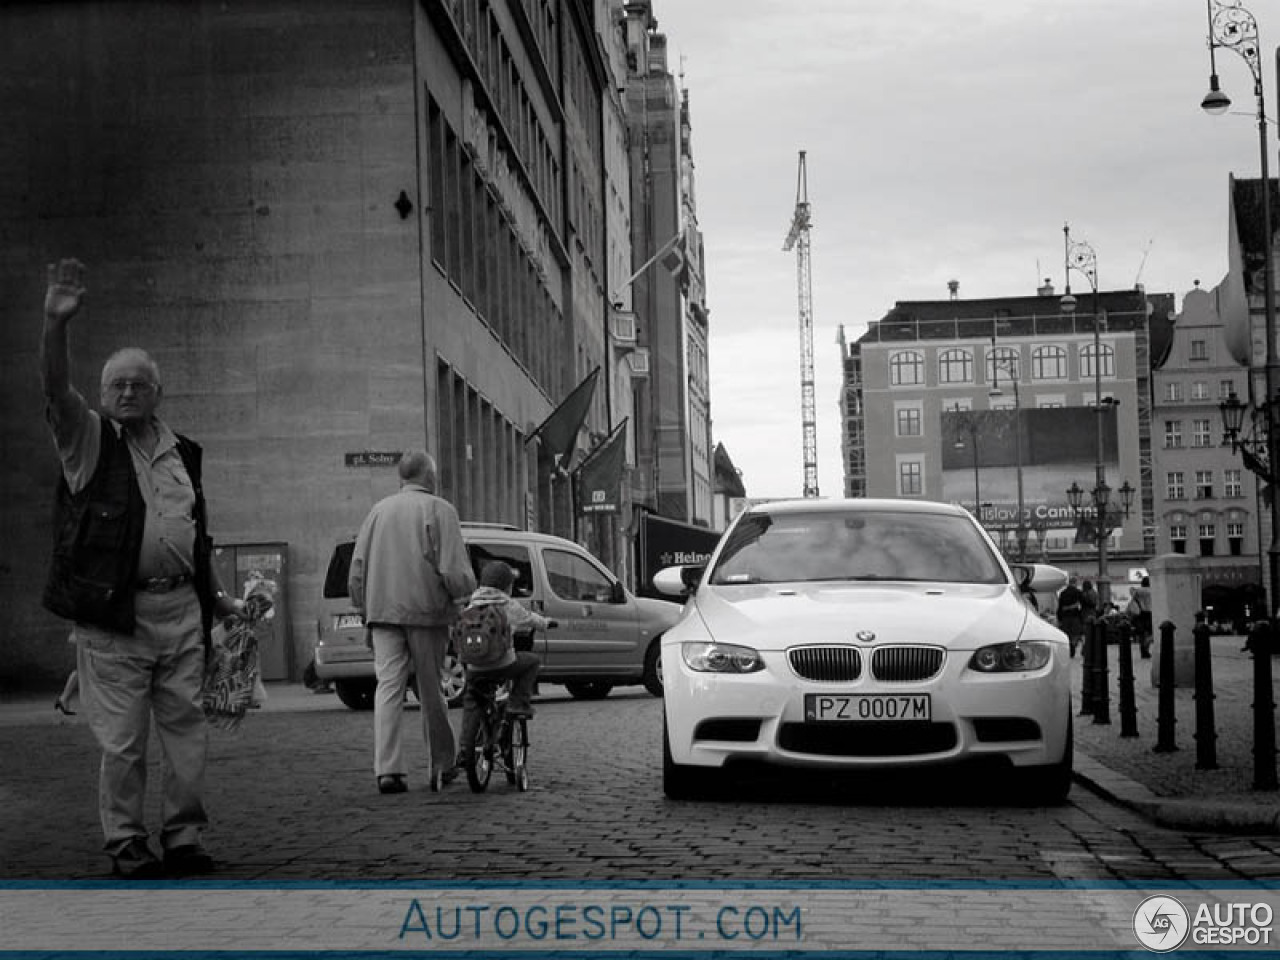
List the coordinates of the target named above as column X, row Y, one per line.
column 356, row 694
column 652, row 677
column 588, row 689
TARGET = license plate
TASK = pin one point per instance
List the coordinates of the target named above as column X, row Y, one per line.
column 347, row 621
column 871, row 707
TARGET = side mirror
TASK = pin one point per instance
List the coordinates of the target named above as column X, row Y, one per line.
column 618, row 594
column 679, row 581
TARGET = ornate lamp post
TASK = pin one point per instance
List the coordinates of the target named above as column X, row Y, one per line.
column 1235, row 28
column 1102, row 516
column 1081, row 258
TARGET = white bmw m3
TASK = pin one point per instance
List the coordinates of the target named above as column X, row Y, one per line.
column 863, row 635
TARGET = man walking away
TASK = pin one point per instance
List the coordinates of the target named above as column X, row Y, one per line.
column 131, row 567
column 409, row 576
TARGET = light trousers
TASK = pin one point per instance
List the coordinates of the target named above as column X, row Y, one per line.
column 397, row 652
column 129, row 682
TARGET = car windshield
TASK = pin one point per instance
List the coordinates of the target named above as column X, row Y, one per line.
column 860, row 546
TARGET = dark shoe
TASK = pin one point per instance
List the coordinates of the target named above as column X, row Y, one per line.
column 519, row 713
column 392, row 783
column 441, row 777
column 188, row 860
column 135, row 861
column 62, row 708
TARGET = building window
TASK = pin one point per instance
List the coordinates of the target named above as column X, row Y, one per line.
column 906, row 368
column 1207, row 534
column 955, row 366
column 1199, row 390
column 1048, row 363
column 1204, row 484
column 1201, row 433
column 1178, row 537
column 1172, row 434
column 1173, row 391
column 1175, row 486
column 910, row 478
column 1003, row 363
column 1225, row 389
column 1232, row 482
column 1235, row 538
column 1199, row 350
column 1088, row 355
column 909, row 422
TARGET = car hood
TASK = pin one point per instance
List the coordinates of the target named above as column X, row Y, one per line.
column 777, row 616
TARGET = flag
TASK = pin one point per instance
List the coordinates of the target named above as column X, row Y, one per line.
column 600, row 476
column 558, row 433
column 676, row 259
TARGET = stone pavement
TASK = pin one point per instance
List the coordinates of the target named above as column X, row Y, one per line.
column 1168, row 787
column 1165, row 787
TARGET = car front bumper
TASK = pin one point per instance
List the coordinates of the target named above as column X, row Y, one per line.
column 714, row 718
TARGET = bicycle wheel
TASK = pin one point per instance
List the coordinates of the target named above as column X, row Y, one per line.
column 520, row 754
column 480, row 767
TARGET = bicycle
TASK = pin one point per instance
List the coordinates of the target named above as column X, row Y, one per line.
column 491, row 738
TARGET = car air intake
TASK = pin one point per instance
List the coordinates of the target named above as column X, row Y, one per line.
column 906, row 664
column 826, row 664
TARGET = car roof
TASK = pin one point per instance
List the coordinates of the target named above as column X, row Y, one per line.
column 857, row 505
column 499, row 531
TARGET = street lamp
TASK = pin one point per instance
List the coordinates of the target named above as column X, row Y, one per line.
column 1080, row 256
column 1235, row 28
column 970, row 425
column 1102, row 516
column 1009, row 367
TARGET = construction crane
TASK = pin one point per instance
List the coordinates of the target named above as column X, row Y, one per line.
column 798, row 239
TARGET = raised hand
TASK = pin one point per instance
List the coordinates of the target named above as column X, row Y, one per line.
column 66, row 289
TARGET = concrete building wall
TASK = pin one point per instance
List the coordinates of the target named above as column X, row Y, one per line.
column 229, row 176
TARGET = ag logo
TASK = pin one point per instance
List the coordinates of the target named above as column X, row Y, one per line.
column 1161, row 923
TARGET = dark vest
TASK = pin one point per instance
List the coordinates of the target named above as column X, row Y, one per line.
column 97, row 536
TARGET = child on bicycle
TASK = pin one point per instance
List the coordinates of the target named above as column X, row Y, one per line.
column 518, row 666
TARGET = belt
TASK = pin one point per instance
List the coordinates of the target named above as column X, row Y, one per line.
column 163, row 584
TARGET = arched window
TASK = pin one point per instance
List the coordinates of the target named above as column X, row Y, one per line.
column 1048, row 363
column 1089, row 352
column 1004, row 364
column 906, row 367
column 955, row 366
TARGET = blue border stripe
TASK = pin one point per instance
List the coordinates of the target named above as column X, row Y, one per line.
column 664, row 885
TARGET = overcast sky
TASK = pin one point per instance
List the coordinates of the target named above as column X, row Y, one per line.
column 945, row 140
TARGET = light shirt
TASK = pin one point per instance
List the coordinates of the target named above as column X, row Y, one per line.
column 169, row 533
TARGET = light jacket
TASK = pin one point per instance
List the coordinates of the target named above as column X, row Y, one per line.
column 410, row 566
column 518, row 617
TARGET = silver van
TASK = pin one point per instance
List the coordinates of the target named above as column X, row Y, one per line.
column 607, row 637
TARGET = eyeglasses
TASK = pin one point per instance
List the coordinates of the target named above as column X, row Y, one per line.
column 138, row 386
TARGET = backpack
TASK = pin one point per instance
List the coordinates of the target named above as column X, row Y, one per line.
column 481, row 635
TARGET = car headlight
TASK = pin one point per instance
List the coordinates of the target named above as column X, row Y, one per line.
column 1011, row 657
column 720, row 658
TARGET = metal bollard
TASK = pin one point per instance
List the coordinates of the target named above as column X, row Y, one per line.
column 1128, row 700
column 1165, row 719
column 1206, row 738
column 1261, row 640
column 1086, row 668
column 1101, row 683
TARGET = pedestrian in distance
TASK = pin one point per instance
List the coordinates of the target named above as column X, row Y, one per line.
column 132, row 569
column 1139, row 612
column 1071, row 612
column 409, row 577
column 69, row 690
